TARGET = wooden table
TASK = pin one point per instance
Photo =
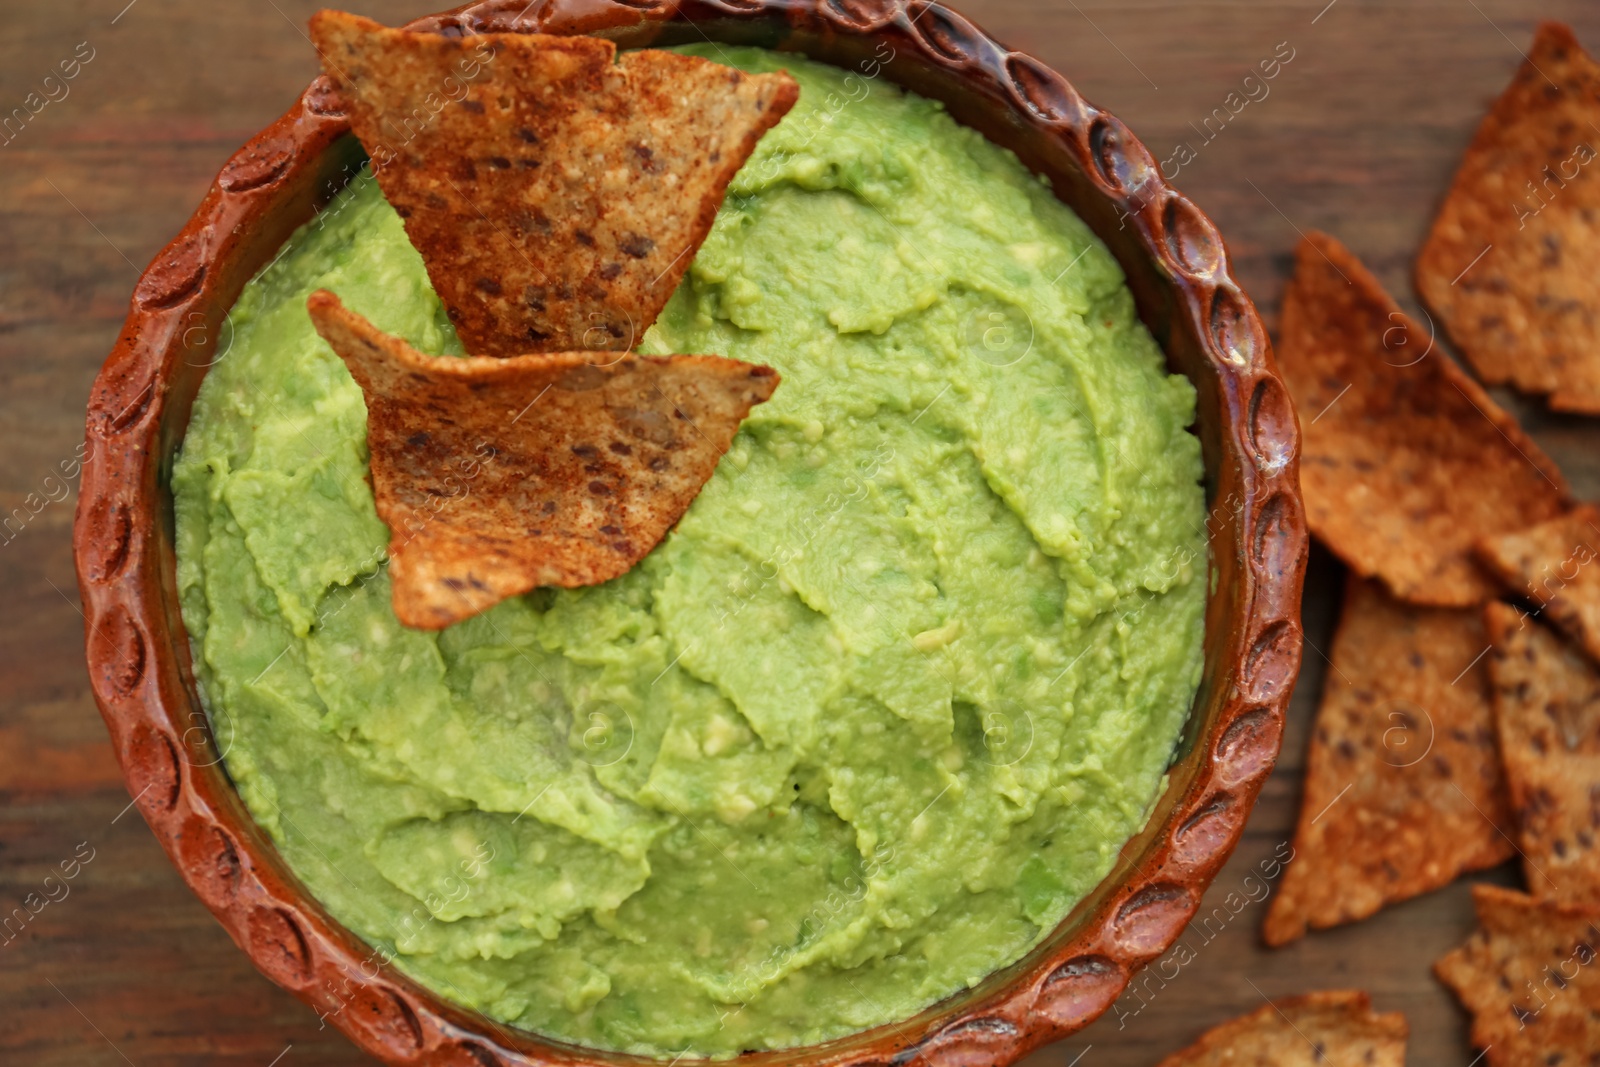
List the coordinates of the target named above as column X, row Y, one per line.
column 1359, row 136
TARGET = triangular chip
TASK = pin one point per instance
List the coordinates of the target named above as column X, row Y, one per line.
column 1547, row 710
column 556, row 194
column 1402, row 785
column 1528, row 977
column 1405, row 461
column 1512, row 264
column 1330, row 1029
column 496, row 476
column 1556, row 565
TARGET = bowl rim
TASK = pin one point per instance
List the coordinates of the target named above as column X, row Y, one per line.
column 1178, row 268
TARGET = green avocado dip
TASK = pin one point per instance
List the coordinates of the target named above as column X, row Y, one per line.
column 857, row 734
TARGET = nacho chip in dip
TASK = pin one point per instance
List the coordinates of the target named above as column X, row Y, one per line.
column 1530, row 978
column 1405, row 461
column 496, row 476
column 1512, row 264
column 1403, row 789
column 556, row 194
column 1547, row 710
column 1328, row 1029
column 1556, row 565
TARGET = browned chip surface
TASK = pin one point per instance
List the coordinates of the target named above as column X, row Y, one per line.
column 1529, row 978
column 1557, row 566
column 1402, row 788
column 1406, row 462
column 1527, row 201
column 1330, row 1029
column 1547, row 710
column 556, row 195
column 496, row 476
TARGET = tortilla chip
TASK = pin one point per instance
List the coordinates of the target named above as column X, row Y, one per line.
column 1528, row 977
column 1557, row 566
column 556, row 195
column 1547, row 711
column 1330, row 1029
column 1403, row 788
column 496, row 476
column 1405, row 461
column 1527, row 201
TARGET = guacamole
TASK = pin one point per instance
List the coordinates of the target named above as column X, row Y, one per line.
column 858, row 733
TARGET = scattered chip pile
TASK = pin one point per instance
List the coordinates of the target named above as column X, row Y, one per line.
column 556, row 196
column 1459, row 724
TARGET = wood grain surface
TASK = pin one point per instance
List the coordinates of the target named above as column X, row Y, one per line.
column 1358, row 135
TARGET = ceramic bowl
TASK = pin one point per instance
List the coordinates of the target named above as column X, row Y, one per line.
column 1177, row 267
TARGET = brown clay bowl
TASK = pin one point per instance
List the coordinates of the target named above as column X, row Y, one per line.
column 1177, row 267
